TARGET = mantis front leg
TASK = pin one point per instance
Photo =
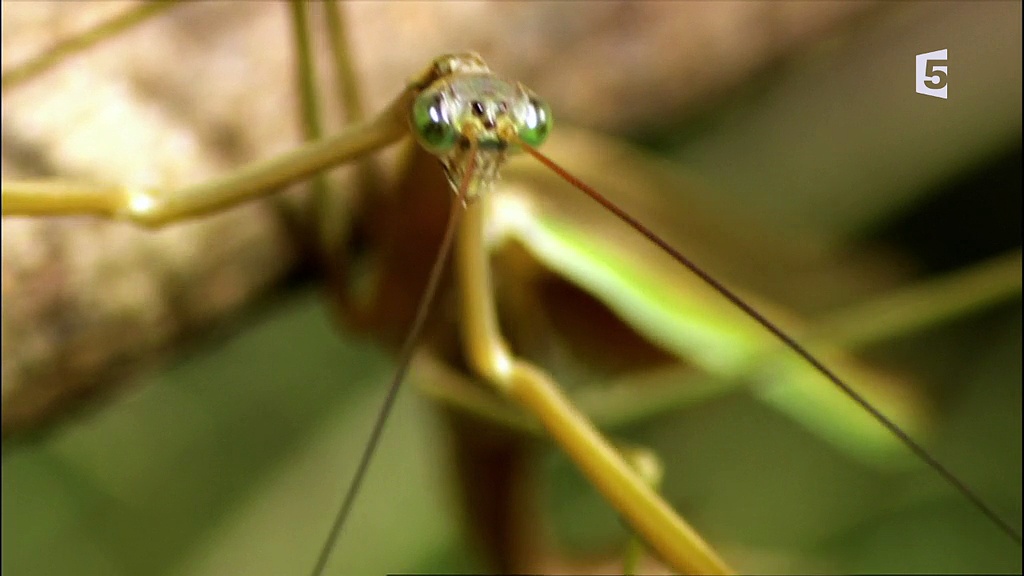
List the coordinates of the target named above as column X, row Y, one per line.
column 155, row 208
column 534, row 390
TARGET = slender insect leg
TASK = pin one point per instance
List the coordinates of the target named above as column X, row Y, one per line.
column 527, row 385
column 149, row 207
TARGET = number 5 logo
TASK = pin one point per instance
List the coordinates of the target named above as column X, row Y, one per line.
column 932, row 70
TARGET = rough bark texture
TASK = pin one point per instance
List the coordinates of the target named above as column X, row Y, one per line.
column 209, row 86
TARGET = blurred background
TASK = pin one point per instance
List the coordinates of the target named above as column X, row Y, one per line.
column 178, row 402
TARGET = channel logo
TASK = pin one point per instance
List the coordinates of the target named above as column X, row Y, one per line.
column 932, row 74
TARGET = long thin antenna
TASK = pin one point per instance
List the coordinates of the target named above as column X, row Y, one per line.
column 882, row 419
column 404, row 358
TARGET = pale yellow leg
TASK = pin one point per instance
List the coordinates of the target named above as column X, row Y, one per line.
column 648, row 467
column 149, row 207
column 78, row 43
column 530, row 387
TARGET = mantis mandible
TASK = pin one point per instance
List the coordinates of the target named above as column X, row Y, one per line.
column 15, row 206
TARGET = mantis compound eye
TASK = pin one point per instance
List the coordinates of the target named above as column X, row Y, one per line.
column 433, row 123
column 534, row 122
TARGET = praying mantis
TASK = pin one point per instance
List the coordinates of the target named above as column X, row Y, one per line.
column 5, row 295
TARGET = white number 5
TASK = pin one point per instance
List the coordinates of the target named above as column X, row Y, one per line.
column 932, row 73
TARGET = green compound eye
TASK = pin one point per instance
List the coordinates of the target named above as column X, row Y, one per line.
column 434, row 128
column 535, row 125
